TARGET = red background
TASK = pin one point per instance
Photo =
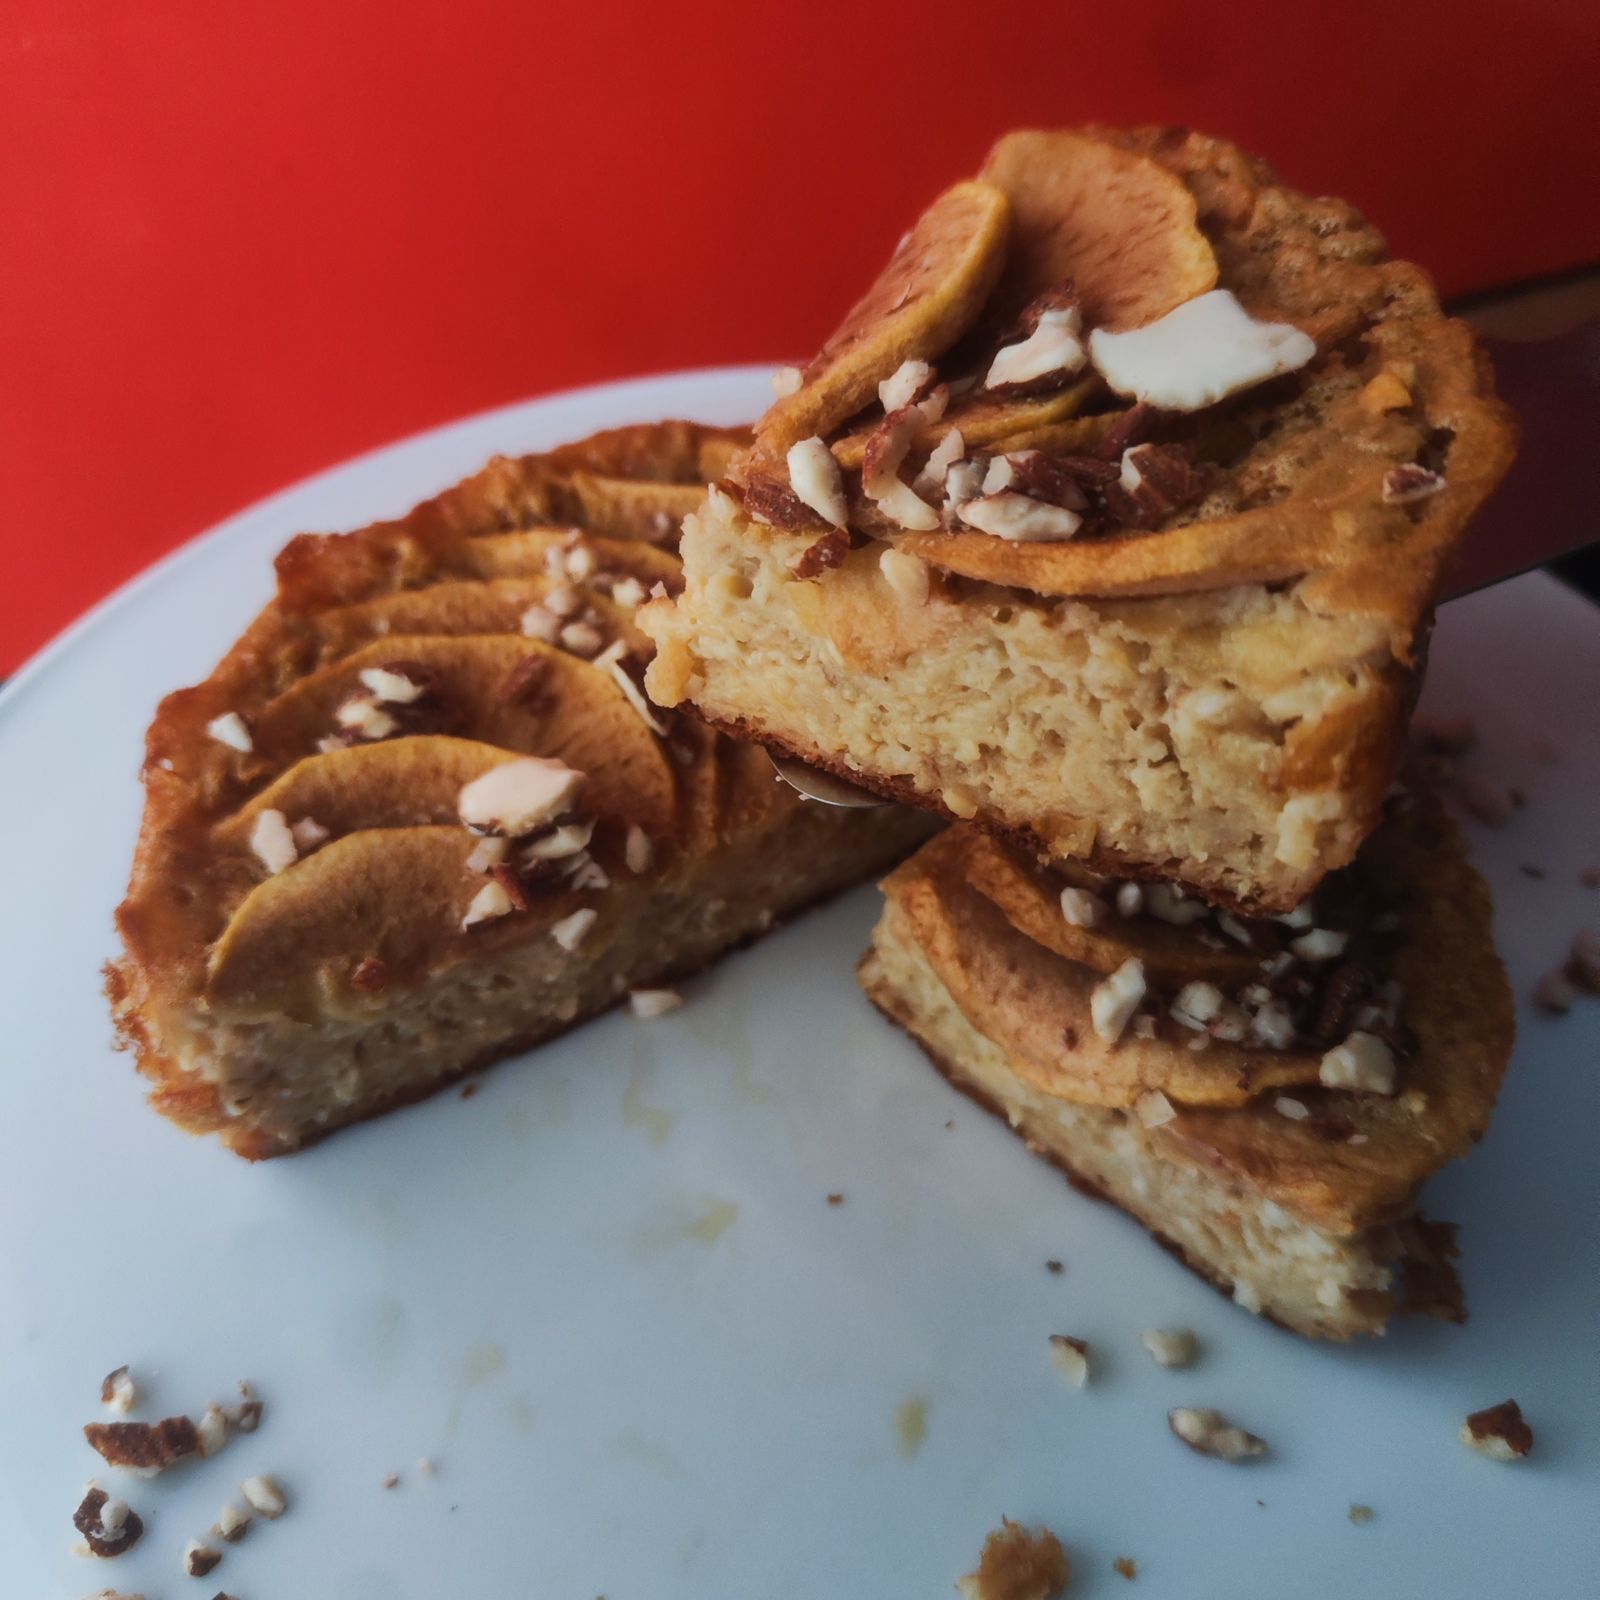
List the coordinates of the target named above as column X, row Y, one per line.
column 241, row 241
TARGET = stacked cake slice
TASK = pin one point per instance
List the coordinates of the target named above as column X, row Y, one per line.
column 1109, row 524
column 422, row 815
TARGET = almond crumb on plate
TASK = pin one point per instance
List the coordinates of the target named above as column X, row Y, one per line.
column 1498, row 1432
column 1070, row 1357
column 653, row 1002
column 1170, row 1347
column 1126, row 1566
column 264, row 1495
column 1209, row 1433
column 1359, row 1514
column 118, row 1391
column 199, row 1559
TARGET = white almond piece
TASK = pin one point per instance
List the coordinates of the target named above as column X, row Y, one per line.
column 232, row 1523
column 1070, row 1357
column 895, row 498
column 1017, row 517
column 264, row 1496
column 1320, row 944
column 653, row 1002
column 1196, row 1004
column 1113, row 1001
column 540, row 622
column 563, row 600
column 941, row 458
column 962, row 482
column 1081, row 908
column 518, row 796
column 200, row 1559
column 1362, row 1062
column 816, row 480
column 1000, row 474
column 611, row 660
column 1404, row 485
column 900, row 388
column 1130, row 899
column 212, row 1430
column 1153, row 1109
column 488, row 853
column 786, row 381
column 489, row 902
column 1198, row 353
column 1053, row 346
column 273, row 842
column 571, row 931
column 579, row 563
column 582, row 639
column 906, row 574
column 232, row 730
column 559, row 843
column 1169, row 903
column 589, row 874
column 119, row 1391
column 628, row 592
column 1169, row 1347
column 638, row 852
column 392, row 688
column 1212, row 1435
column 363, row 715
column 1287, row 1106
column 308, row 833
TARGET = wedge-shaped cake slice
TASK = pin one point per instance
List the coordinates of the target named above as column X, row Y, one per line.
column 422, row 815
column 1110, row 519
column 1266, row 1097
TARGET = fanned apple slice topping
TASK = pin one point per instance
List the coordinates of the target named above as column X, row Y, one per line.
column 931, row 291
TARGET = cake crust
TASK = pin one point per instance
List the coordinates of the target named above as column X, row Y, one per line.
column 954, row 665
column 311, row 934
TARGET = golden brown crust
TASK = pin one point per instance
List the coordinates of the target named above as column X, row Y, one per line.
column 375, row 905
column 1358, row 1159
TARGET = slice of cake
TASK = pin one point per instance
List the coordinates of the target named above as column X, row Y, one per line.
column 1266, row 1097
column 1110, row 519
column 422, row 815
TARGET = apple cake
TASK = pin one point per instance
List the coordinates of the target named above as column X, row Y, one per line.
column 1266, row 1096
column 1110, row 519
column 422, row 815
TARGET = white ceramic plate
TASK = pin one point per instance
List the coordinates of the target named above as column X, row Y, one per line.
column 607, row 1293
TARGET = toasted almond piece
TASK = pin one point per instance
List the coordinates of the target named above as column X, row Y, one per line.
column 653, row 1002
column 880, row 473
column 1113, row 1001
column 1363, row 1062
column 391, row 687
column 1170, row 1347
column 904, row 384
column 1154, row 1109
column 1199, row 353
column 786, row 381
column 491, row 901
column 816, row 480
column 1209, row 1434
column 1081, row 907
column 638, row 852
column 1052, row 347
column 119, row 1392
column 1499, row 1432
column 518, row 796
column 906, row 574
column 571, row 931
column 232, row 730
column 200, row 1559
column 1070, row 1357
column 265, row 1496
column 1007, row 515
